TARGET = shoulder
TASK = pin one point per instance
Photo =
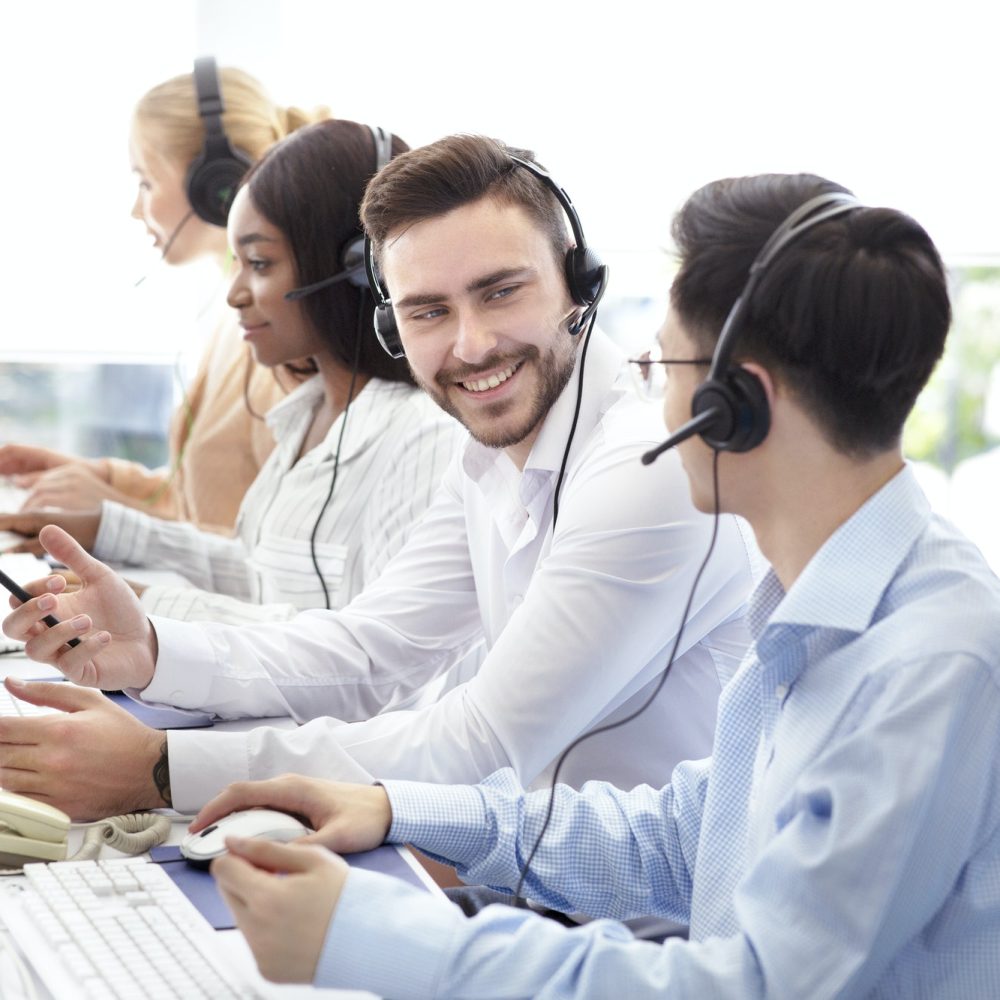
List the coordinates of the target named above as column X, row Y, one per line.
column 610, row 458
column 944, row 600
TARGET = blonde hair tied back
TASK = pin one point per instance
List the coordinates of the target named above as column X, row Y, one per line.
column 167, row 118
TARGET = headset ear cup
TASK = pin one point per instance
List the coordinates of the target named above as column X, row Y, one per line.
column 212, row 184
column 584, row 275
column 352, row 261
column 387, row 331
column 744, row 416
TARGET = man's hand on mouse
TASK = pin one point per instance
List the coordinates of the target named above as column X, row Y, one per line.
column 284, row 920
column 117, row 642
column 346, row 818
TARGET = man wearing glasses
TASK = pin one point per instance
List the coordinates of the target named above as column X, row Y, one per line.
column 578, row 610
column 844, row 838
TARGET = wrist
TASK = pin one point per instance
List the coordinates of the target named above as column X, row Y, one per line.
column 382, row 809
column 101, row 467
column 161, row 772
column 153, row 648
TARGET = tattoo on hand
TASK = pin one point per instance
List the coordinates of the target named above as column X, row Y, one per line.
column 161, row 774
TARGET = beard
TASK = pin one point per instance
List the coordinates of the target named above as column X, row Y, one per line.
column 490, row 425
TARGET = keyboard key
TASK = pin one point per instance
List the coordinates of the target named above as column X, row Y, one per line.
column 115, row 929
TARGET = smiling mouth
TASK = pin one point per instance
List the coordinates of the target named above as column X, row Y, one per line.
column 484, row 384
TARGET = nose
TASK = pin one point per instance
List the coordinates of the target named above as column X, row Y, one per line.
column 137, row 212
column 474, row 339
column 238, row 295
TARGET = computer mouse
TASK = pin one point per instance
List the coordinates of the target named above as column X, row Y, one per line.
column 262, row 824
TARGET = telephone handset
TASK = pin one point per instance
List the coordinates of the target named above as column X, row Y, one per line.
column 30, row 830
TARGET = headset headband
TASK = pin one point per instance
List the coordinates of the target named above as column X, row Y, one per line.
column 790, row 229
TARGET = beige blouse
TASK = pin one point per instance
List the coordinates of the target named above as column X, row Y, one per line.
column 216, row 445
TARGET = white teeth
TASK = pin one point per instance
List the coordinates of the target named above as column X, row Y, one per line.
column 482, row 384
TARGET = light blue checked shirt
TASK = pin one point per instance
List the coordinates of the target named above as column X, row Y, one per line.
column 843, row 840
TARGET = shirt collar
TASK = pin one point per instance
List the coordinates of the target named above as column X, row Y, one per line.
column 603, row 367
column 360, row 431
column 843, row 583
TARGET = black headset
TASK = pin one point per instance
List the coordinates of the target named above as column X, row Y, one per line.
column 353, row 271
column 352, row 254
column 215, row 174
column 730, row 409
column 586, row 274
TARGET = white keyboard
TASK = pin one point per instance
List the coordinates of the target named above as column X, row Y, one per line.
column 115, row 929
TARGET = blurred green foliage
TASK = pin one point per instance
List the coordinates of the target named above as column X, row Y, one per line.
column 947, row 424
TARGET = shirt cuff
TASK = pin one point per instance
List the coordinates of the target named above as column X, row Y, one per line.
column 448, row 821
column 122, row 535
column 200, row 769
column 387, row 937
column 185, row 665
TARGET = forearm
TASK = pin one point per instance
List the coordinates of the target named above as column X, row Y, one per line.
column 151, row 490
column 211, row 562
column 193, row 604
column 398, row 941
column 606, row 852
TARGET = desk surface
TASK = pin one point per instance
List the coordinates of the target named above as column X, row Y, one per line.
column 232, row 942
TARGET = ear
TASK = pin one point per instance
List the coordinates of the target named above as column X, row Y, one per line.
column 772, row 386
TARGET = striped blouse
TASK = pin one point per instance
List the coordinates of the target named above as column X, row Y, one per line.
column 396, row 446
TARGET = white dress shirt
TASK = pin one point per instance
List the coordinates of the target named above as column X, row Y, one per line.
column 578, row 623
column 396, row 447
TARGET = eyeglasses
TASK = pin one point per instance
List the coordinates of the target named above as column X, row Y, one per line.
column 649, row 371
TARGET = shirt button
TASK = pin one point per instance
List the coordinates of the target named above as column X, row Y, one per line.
column 780, row 691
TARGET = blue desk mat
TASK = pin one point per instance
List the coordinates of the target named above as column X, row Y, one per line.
column 199, row 886
column 162, row 718
column 155, row 718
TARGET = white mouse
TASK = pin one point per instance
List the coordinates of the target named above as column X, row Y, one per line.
column 261, row 824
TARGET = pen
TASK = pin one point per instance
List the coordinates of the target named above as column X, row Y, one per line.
column 22, row 595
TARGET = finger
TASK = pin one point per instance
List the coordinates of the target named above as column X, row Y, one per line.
column 24, row 783
column 64, row 548
column 28, row 479
column 270, row 856
column 20, row 757
column 44, row 494
column 66, row 697
column 32, row 546
column 277, row 793
column 16, row 731
column 21, row 523
column 76, row 663
column 54, row 584
column 240, row 885
column 41, row 609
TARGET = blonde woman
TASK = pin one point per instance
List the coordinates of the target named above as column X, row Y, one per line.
column 218, row 440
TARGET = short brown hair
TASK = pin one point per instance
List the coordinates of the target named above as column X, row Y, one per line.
column 458, row 170
column 854, row 317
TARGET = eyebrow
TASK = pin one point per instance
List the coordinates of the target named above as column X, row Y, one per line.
column 486, row 281
column 243, row 241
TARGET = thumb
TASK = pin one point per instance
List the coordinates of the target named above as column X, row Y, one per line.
column 64, row 548
column 26, row 479
column 275, row 857
column 66, row 697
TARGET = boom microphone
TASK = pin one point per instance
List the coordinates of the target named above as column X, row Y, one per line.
column 694, row 426
column 300, row 293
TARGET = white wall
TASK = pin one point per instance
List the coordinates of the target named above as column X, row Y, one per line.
column 631, row 103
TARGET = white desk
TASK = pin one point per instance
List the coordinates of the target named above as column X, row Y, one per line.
column 232, row 944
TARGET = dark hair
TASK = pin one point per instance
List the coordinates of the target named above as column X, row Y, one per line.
column 310, row 187
column 455, row 171
column 852, row 315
